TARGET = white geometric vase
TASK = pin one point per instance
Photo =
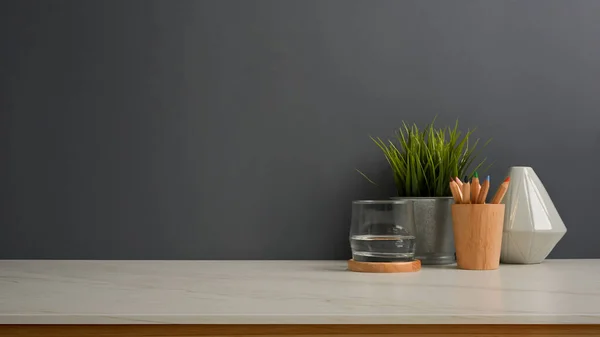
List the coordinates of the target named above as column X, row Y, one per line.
column 532, row 226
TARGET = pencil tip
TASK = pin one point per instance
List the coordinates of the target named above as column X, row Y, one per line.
column 488, row 178
column 466, row 179
column 507, row 179
column 475, row 175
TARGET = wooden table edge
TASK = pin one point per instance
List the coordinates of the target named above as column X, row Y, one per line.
column 158, row 330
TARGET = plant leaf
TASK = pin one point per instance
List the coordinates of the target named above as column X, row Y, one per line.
column 422, row 160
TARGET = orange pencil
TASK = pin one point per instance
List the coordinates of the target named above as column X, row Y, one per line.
column 501, row 192
column 466, row 190
column 459, row 191
column 455, row 192
column 485, row 187
column 458, row 182
column 475, row 187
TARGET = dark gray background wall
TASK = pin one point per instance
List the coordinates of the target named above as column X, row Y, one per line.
column 231, row 129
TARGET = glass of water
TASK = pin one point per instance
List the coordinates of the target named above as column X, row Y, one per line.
column 383, row 231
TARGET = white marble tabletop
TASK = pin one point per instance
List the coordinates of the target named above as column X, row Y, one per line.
column 293, row 292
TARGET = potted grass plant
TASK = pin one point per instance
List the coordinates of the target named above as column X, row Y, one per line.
column 422, row 162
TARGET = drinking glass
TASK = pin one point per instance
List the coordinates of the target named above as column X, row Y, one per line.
column 383, row 231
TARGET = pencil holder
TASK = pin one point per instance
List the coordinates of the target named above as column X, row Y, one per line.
column 477, row 235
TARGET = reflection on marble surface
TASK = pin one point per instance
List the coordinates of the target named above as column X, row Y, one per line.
column 293, row 292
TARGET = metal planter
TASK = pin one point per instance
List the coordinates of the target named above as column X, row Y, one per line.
column 435, row 238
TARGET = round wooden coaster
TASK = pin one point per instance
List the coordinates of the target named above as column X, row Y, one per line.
column 384, row 267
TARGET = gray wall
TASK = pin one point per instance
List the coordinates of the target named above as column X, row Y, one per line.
column 231, row 129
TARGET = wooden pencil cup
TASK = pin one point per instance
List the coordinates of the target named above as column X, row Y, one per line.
column 478, row 235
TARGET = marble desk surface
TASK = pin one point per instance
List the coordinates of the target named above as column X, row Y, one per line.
column 293, row 292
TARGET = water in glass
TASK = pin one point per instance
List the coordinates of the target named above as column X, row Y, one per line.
column 382, row 231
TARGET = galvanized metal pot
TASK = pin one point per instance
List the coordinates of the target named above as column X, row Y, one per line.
column 435, row 239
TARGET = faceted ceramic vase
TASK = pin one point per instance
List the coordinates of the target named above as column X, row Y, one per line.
column 532, row 226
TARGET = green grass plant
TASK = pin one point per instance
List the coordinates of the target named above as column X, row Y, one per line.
column 423, row 160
